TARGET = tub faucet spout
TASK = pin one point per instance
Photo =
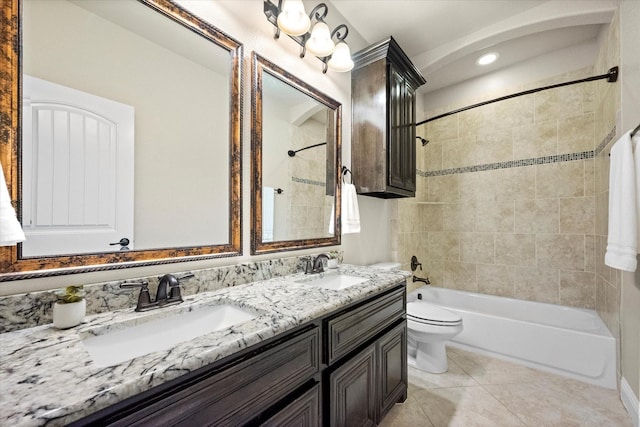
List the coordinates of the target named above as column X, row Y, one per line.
column 420, row 279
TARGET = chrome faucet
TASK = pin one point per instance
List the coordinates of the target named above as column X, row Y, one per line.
column 317, row 266
column 168, row 292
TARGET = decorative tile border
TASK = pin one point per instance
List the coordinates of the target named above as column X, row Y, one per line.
column 308, row 181
column 584, row 155
column 607, row 139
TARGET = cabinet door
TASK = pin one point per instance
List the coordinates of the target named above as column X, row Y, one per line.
column 409, row 137
column 353, row 391
column 392, row 368
column 396, row 134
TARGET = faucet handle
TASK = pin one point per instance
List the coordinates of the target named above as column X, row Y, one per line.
column 144, row 299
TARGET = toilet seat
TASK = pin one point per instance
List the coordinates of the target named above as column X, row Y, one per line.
column 426, row 313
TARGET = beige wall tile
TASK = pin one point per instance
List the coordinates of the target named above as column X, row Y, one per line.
column 514, row 112
column 601, row 292
column 444, row 245
column 537, row 216
column 434, row 270
column 432, row 156
column 515, row 249
column 443, row 188
column 410, row 221
column 560, row 180
column 537, row 140
column 576, row 134
column 577, row 215
column 590, row 253
column 495, row 216
column 458, row 153
column 564, row 251
column 479, row 185
column 477, row 247
column 517, row 183
column 494, row 147
column 537, row 284
column 602, row 213
column 443, row 129
column 476, row 120
column 431, row 217
column 578, row 289
column 558, row 103
column 496, row 279
column 459, row 216
column 460, row 275
column 589, row 177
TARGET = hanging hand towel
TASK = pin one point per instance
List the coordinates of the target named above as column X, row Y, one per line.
column 622, row 243
column 350, row 211
column 10, row 231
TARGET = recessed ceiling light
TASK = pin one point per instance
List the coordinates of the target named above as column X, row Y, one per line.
column 487, row 59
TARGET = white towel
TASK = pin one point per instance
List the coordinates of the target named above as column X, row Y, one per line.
column 350, row 211
column 10, row 231
column 622, row 243
column 268, row 213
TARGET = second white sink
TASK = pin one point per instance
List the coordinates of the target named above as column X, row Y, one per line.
column 162, row 333
column 333, row 281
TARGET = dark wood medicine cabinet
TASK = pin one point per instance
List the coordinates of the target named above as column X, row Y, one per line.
column 383, row 147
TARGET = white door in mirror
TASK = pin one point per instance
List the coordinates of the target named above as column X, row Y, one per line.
column 77, row 170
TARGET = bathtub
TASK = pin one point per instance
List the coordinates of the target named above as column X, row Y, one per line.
column 567, row 341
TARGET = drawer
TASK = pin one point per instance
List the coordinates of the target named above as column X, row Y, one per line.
column 241, row 392
column 303, row 411
column 347, row 331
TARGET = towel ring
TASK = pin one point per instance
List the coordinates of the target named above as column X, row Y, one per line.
column 345, row 171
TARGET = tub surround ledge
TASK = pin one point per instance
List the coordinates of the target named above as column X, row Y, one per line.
column 48, row 378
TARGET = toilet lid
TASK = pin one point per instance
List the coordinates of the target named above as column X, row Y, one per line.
column 429, row 313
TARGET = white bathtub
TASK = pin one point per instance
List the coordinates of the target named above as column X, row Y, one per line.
column 567, row 341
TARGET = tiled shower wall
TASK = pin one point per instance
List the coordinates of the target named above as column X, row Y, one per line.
column 506, row 197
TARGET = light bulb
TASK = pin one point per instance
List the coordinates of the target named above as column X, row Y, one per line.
column 293, row 19
column 341, row 59
column 320, row 43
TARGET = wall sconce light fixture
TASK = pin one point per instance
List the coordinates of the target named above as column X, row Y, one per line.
column 290, row 17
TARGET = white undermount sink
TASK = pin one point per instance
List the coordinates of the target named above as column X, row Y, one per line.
column 333, row 281
column 128, row 342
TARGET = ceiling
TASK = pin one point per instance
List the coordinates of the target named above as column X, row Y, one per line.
column 444, row 38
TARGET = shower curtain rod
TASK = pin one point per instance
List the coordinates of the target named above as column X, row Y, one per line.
column 292, row 153
column 611, row 76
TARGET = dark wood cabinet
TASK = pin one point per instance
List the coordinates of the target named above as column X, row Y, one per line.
column 353, row 391
column 302, row 412
column 367, row 357
column 383, row 136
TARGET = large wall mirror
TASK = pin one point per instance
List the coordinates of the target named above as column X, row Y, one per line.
column 295, row 149
column 121, row 135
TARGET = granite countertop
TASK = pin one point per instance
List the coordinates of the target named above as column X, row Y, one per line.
column 48, row 378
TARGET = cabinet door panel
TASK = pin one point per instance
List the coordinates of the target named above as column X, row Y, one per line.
column 353, row 391
column 397, row 134
column 392, row 367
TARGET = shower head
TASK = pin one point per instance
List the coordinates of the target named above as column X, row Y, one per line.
column 424, row 141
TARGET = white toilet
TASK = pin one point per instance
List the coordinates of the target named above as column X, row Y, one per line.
column 430, row 327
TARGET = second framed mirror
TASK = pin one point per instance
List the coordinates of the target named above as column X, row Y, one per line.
column 295, row 148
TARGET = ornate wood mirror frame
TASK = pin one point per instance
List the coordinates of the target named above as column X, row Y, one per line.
column 333, row 135
column 13, row 266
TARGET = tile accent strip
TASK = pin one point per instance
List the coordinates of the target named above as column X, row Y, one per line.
column 308, row 181
column 607, row 139
column 584, row 155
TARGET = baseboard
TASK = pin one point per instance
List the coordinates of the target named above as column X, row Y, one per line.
column 630, row 402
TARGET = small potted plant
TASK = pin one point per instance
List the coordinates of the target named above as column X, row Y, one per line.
column 70, row 308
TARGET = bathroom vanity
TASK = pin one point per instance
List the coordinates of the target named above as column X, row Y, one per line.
column 310, row 356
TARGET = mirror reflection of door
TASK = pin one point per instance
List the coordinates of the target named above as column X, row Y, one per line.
column 78, row 170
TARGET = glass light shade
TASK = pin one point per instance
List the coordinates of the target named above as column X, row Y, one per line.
column 320, row 43
column 293, row 20
column 341, row 59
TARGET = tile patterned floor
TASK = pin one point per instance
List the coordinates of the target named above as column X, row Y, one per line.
column 480, row 391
